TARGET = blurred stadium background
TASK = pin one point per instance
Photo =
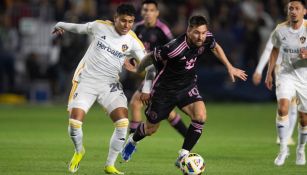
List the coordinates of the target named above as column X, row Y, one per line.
column 37, row 66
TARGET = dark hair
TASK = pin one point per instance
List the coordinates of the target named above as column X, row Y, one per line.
column 197, row 20
column 150, row 2
column 301, row 1
column 126, row 9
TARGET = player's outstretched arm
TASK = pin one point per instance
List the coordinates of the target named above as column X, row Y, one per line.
column 232, row 71
column 264, row 59
column 61, row 27
column 272, row 63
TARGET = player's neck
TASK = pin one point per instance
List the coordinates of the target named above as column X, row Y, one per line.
column 150, row 23
column 296, row 25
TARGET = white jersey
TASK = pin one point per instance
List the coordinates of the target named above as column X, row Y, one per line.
column 107, row 52
column 289, row 42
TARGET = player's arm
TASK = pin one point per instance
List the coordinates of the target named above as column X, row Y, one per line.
column 232, row 71
column 149, row 77
column 61, row 27
column 146, row 61
column 272, row 63
column 264, row 59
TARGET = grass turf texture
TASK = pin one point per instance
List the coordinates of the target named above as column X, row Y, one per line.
column 238, row 139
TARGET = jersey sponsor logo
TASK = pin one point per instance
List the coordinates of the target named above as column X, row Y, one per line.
column 302, row 39
column 287, row 50
column 124, row 47
column 183, row 58
column 103, row 37
column 190, row 63
column 110, row 50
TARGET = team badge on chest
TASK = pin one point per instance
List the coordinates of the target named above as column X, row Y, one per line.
column 124, row 47
column 302, row 39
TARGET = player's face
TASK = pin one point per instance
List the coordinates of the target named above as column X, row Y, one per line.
column 296, row 11
column 149, row 13
column 197, row 35
column 123, row 23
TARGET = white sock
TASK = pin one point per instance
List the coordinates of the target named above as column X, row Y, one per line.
column 117, row 140
column 76, row 134
column 292, row 118
column 183, row 152
column 282, row 125
column 302, row 137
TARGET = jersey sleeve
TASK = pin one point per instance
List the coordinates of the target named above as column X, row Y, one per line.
column 276, row 39
column 210, row 40
column 161, row 52
column 138, row 49
column 265, row 56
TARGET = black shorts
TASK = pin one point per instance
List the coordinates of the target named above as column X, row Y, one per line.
column 163, row 102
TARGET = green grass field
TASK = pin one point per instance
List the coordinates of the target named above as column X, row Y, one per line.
column 238, row 139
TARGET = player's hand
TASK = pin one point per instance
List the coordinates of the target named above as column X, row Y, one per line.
column 269, row 81
column 145, row 97
column 58, row 31
column 130, row 64
column 303, row 53
column 256, row 78
column 235, row 72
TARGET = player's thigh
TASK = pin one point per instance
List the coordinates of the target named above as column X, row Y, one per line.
column 196, row 111
column 191, row 102
column 159, row 108
column 285, row 87
column 82, row 96
column 111, row 97
column 135, row 100
column 302, row 97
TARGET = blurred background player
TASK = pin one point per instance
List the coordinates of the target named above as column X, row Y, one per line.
column 289, row 39
column 152, row 32
column 257, row 76
column 176, row 84
column 96, row 78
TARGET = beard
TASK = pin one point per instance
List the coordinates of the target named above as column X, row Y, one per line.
column 294, row 21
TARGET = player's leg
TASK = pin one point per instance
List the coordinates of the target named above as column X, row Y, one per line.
column 285, row 90
column 79, row 103
column 302, row 131
column 197, row 113
column 135, row 111
column 302, row 138
column 292, row 119
column 156, row 111
column 175, row 121
column 116, row 105
column 282, row 125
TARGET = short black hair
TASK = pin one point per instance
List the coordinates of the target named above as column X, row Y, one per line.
column 150, row 2
column 197, row 20
column 126, row 9
column 301, row 1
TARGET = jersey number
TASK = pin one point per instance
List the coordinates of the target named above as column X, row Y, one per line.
column 115, row 86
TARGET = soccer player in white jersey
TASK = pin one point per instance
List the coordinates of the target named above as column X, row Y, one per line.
column 96, row 78
column 289, row 38
column 257, row 79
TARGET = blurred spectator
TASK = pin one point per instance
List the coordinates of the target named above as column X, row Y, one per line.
column 8, row 47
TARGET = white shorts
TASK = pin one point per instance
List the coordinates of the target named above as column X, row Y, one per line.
column 108, row 94
column 288, row 87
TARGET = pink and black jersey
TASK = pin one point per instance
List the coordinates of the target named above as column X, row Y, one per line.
column 175, row 63
column 151, row 37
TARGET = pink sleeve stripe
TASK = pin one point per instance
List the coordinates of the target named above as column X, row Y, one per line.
column 178, row 50
column 165, row 29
